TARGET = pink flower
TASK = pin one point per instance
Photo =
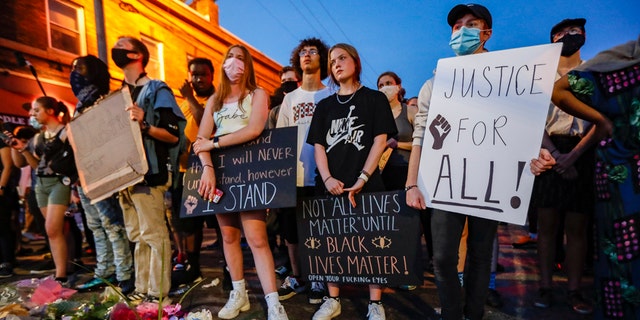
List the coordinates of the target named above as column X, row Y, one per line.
column 147, row 310
column 122, row 312
column 173, row 309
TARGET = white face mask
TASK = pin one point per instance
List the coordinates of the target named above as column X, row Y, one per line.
column 233, row 68
column 390, row 91
column 34, row 123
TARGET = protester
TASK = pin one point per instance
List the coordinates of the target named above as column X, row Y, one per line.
column 470, row 30
column 9, row 177
column 395, row 171
column 236, row 114
column 565, row 194
column 187, row 233
column 43, row 153
column 347, row 155
column 89, row 81
column 310, row 59
column 289, row 80
column 593, row 92
column 161, row 124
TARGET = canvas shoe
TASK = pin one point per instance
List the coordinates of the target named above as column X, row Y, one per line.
column 290, row 286
column 277, row 313
column 544, row 298
column 165, row 300
column 328, row 310
column 376, row 312
column 238, row 301
column 317, row 293
column 136, row 297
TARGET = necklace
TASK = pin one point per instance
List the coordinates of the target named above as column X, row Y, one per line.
column 351, row 97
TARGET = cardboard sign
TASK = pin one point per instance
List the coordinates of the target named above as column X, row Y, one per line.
column 260, row 174
column 108, row 147
column 485, row 124
column 377, row 242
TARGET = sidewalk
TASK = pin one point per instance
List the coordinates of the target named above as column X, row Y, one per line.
column 517, row 286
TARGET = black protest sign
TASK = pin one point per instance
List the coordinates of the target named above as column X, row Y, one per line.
column 377, row 242
column 256, row 175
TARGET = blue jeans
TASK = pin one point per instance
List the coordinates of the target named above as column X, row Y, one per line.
column 446, row 229
column 112, row 245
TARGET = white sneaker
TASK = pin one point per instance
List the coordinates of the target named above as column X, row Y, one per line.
column 277, row 313
column 238, row 301
column 328, row 310
column 376, row 312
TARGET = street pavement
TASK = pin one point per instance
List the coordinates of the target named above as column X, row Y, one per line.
column 517, row 285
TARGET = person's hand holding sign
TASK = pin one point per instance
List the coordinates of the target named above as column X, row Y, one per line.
column 439, row 129
column 207, row 186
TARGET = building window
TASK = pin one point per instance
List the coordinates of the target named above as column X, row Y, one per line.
column 66, row 27
column 155, row 67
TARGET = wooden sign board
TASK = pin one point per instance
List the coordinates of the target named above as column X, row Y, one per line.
column 108, row 147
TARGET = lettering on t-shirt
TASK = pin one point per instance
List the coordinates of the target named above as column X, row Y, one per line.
column 345, row 130
column 303, row 110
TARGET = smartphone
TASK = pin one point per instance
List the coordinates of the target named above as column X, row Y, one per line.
column 217, row 196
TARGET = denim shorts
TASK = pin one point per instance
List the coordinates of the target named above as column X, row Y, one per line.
column 50, row 190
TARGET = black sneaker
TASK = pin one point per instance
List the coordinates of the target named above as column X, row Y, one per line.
column 44, row 267
column 317, row 293
column 127, row 286
column 544, row 298
column 578, row 303
column 6, row 270
column 290, row 287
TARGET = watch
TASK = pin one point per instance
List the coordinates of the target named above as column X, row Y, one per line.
column 145, row 127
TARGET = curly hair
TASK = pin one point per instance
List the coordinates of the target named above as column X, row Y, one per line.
column 323, row 51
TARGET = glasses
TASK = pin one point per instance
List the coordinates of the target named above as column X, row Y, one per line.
column 311, row 52
column 572, row 32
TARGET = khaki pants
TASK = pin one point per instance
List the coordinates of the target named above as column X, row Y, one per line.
column 144, row 212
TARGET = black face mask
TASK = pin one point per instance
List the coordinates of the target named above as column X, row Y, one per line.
column 205, row 93
column 289, row 86
column 119, row 56
column 571, row 44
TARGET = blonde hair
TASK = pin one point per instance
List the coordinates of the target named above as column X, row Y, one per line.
column 247, row 82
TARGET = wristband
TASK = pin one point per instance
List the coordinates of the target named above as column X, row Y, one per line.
column 216, row 144
column 364, row 177
column 407, row 188
column 327, row 179
column 208, row 165
column 365, row 173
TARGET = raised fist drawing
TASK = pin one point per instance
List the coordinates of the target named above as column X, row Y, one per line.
column 439, row 129
column 191, row 203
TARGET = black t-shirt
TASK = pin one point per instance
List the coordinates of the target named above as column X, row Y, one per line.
column 347, row 132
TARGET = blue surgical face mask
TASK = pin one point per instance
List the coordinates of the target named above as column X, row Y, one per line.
column 465, row 41
column 34, row 123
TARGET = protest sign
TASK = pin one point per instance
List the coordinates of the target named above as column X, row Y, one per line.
column 95, row 135
column 486, row 119
column 377, row 242
column 260, row 174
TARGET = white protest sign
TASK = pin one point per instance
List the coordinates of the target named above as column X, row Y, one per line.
column 486, row 119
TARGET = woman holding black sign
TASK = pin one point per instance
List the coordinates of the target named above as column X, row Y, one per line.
column 349, row 132
column 46, row 154
column 236, row 114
